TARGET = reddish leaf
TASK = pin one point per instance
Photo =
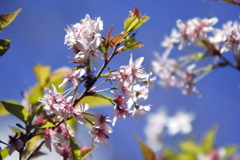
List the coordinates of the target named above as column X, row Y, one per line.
column 117, row 39
column 148, row 154
column 137, row 12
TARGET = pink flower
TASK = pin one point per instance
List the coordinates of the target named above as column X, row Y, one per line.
column 52, row 135
column 198, row 28
column 120, row 111
column 72, row 77
column 77, row 112
column 139, row 111
column 100, row 129
column 63, row 149
column 99, row 135
column 136, row 67
column 233, row 42
column 182, row 36
column 51, row 100
column 102, row 122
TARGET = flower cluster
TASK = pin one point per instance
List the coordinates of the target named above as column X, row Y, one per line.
column 170, row 73
column 100, row 129
column 56, row 104
column 202, row 33
column 50, row 114
column 126, row 78
column 156, row 122
column 84, row 38
column 61, row 139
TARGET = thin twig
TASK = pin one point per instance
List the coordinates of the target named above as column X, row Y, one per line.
column 226, row 61
column 35, row 150
column 96, row 77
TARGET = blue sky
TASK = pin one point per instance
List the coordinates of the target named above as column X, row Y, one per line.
column 37, row 36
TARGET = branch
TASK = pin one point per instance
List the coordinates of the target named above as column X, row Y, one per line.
column 85, row 92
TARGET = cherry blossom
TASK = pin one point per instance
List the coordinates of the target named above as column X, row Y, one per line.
column 139, row 111
column 154, row 128
column 233, row 42
column 180, row 123
column 72, row 77
column 120, row 111
column 63, row 149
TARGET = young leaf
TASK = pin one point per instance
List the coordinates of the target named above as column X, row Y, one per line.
column 86, row 152
column 208, row 140
column 148, row 154
column 76, row 153
column 72, row 123
column 90, row 119
column 35, row 93
column 169, row 153
column 93, row 101
column 140, row 22
column 137, row 12
column 230, row 150
column 3, row 111
column 189, row 146
column 42, row 73
column 4, row 153
column 117, row 39
column 17, row 110
column 48, row 124
column 4, row 46
column 6, row 19
column 15, row 130
column 131, row 43
column 129, row 23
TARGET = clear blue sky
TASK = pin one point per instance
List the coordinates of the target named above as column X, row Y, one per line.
column 37, row 36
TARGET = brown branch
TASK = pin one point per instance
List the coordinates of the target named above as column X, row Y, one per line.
column 94, row 79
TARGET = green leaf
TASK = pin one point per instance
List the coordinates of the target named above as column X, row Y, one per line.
column 200, row 56
column 35, row 112
column 86, row 152
column 129, row 23
column 17, row 110
column 4, row 153
column 90, row 118
column 35, row 93
column 4, row 46
column 93, row 101
column 140, row 22
column 6, row 19
column 72, row 123
column 189, row 146
column 15, row 130
column 3, row 111
column 168, row 153
column 208, row 140
column 102, row 48
column 48, row 124
column 148, row 154
column 32, row 143
column 56, row 78
column 42, row 73
column 76, row 153
column 230, row 150
column 183, row 156
column 131, row 43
